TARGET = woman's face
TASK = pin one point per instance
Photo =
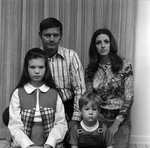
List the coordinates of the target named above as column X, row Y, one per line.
column 103, row 44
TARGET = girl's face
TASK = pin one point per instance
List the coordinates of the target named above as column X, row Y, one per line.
column 103, row 44
column 89, row 113
column 36, row 70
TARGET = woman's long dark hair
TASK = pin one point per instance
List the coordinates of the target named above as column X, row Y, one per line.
column 94, row 58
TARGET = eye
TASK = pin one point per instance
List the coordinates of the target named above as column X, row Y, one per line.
column 107, row 41
column 94, row 109
column 98, row 42
column 47, row 35
column 32, row 67
column 86, row 108
column 41, row 67
column 56, row 35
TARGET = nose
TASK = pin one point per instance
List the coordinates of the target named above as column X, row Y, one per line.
column 52, row 38
column 37, row 71
column 90, row 111
column 102, row 44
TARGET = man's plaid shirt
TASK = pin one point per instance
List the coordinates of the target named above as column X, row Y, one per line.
column 68, row 74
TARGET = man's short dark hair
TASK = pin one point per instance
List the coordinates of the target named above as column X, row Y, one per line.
column 50, row 23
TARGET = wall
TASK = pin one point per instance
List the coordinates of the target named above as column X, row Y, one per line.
column 141, row 107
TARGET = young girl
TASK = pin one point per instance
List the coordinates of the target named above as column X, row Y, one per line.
column 90, row 133
column 37, row 117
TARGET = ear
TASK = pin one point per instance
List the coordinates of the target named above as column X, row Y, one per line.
column 80, row 112
column 99, row 110
column 40, row 35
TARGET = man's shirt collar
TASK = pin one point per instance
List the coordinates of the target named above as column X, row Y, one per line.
column 59, row 52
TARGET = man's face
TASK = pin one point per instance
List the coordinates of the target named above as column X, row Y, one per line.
column 50, row 38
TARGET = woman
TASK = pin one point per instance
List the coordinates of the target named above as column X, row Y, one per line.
column 112, row 78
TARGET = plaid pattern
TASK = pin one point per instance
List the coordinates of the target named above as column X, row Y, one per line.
column 68, row 75
column 48, row 116
column 27, row 117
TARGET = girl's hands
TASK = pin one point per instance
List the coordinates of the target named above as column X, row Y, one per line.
column 44, row 146
column 34, row 146
column 47, row 146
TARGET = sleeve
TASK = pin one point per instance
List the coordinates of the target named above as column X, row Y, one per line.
column 73, row 137
column 15, row 125
column 109, row 140
column 128, row 92
column 60, row 128
column 88, row 80
column 78, row 83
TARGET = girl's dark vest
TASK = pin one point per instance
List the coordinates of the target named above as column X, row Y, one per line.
column 47, row 104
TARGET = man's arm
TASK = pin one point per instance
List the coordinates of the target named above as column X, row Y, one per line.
column 78, row 83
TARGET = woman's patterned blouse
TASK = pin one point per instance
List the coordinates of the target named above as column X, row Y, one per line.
column 116, row 90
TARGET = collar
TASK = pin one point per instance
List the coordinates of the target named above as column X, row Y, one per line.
column 90, row 129
column 59, row 52
column 29, row 88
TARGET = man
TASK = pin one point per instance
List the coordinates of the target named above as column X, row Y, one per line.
column 65, row 66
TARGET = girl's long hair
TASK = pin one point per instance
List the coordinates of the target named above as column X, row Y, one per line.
column 35, row 53
column 94, row 58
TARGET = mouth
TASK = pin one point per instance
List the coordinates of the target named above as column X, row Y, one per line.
column 51, row 44
column 103, row 51
column 90, row 117
column 37, row 77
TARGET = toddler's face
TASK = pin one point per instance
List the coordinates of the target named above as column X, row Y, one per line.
column 90, row 113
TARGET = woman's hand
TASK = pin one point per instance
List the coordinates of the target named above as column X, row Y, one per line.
column 114, row 127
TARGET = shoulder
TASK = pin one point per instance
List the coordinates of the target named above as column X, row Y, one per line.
column 52, row 92
column 15, row 92
column 69, row 52
column 126, row 62
column 127, row 66
column 75, row 126
column 74, row 129
column 104, row 127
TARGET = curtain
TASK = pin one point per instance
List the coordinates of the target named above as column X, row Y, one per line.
column 19, row 26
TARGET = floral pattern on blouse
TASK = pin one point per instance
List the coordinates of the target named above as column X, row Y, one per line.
column 116, row 90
